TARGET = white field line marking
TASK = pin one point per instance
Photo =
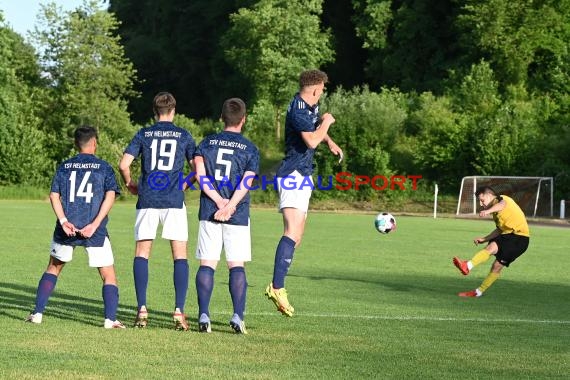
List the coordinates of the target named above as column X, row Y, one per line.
column 388, row 317
column 416, row 318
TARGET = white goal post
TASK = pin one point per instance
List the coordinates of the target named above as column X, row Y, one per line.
column 533, row 194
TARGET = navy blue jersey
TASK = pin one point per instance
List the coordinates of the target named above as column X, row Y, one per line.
column 227, row 156
column 163, row 148
column 301, row 117
column 82, row 182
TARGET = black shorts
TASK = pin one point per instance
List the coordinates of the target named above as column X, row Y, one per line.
column 510, row 247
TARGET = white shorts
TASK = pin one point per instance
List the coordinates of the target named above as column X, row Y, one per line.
column 174, row 223
column 98, row 256
column 295, row 191
column 235, row 240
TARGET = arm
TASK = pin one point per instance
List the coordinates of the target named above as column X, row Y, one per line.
column 125, row 170
column 499, row 206
column 496, row 232
column 335, row 149
column 225, row 213
column 313, row 139
column 207, row 188
column 68, row 227
column 90, row 229
column 185, row 185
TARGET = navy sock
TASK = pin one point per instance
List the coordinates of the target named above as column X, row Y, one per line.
column 283, row 258
column 45, row 288
column 110, row 301
column 140, row 272
column 181, row 273
column 238, row 289
column 204, row 288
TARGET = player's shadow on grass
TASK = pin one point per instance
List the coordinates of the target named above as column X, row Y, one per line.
column 512, row 299
column 402, row 284
column 17, row 301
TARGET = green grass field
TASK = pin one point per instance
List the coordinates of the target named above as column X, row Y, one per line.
column 367, row 306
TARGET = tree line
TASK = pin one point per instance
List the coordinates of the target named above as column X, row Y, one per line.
column 442, row 88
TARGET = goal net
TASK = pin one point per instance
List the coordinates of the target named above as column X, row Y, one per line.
column 534, row 195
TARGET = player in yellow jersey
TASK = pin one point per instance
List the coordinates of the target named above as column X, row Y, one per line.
column 506, row 242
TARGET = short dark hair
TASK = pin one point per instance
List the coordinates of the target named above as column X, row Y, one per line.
column 312, row 77
column 163, row 103
column 485, row 190
column 233, row 111
column 84, row 134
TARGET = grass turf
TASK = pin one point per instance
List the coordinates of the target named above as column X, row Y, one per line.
column 366, row 306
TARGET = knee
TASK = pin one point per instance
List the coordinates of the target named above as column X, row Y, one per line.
column 108, row 275
column 295, row 237
column 55, row 266
column 492, row 248
column 497, row 267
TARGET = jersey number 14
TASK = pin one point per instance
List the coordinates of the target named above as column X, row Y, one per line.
column 85, row 189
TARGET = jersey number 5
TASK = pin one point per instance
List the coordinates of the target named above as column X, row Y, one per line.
column 85, row 189
column 227, row 165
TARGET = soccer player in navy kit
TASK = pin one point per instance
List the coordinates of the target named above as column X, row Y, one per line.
column 226, row 165
column 82, row 193
column 305, row 129
column 164, row 148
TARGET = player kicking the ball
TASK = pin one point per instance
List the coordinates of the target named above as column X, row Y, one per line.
column 506, row 242
column 83, row 191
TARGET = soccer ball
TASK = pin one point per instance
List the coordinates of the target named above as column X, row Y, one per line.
column 385, row 223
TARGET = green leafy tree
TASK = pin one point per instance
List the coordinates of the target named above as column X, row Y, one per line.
column 272, row 42
column 260, row 125
column 412, row 44
column 367, row 126
column 175, row 47
column 90, row 80
column 23, row 154
column 373, row 17
column 521, row 39
column 503, row 131
column 440, row 140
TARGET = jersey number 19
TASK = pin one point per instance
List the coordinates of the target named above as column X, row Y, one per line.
column 163, row 156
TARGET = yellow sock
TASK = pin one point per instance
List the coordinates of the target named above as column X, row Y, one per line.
column 480, row 257
column 488, row 281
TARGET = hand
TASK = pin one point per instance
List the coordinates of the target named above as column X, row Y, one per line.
column 224, row 214
column 483, row 213
column 335, row 149
column 478, row 240
column 327, row 117
column 222, row 203
column 88, row 230
column 133, row 188
column 69, row 228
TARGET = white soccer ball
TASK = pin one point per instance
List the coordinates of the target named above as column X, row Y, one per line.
column 385, row 223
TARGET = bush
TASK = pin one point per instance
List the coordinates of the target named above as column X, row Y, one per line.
column 366, row 128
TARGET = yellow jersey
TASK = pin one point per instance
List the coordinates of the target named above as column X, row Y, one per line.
column 511, row 219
